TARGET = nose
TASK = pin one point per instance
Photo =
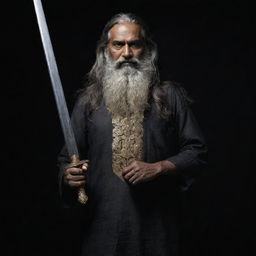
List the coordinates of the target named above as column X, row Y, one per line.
column 127, row 52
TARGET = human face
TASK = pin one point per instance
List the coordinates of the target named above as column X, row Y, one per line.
column 125, row 42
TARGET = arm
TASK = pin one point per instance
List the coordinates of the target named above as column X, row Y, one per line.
column 191, row 152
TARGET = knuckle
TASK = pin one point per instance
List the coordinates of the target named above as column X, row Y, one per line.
column 69, row 170
column 66, row 171
column 68, row 177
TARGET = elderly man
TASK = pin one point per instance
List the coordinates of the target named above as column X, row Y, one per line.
column 143, row 145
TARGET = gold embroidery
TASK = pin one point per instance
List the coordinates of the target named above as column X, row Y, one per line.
column 127, row 142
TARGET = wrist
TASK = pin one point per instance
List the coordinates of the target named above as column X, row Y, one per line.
column 167, row 167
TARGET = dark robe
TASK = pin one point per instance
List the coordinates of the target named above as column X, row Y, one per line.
column 143, row 219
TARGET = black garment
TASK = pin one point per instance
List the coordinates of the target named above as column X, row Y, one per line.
column 139, row 220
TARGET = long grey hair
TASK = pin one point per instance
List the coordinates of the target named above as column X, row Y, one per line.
column 92, row 93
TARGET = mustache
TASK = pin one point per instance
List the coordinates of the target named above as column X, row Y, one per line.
column 132, row 62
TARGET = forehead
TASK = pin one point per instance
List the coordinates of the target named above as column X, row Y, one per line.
column 125, row 31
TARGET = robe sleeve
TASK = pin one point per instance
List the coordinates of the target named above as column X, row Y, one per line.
column 191, row 157
column 68, row 195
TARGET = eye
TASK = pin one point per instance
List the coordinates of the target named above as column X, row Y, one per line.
column 136, row 44
column 118, row 44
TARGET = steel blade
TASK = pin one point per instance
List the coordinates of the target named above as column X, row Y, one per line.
column 56, row 81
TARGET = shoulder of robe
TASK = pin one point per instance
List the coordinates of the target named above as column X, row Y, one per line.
column 78, row 109
column 79, row 101
column 176, row 93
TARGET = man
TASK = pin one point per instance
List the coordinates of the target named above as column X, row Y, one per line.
column 143, row 145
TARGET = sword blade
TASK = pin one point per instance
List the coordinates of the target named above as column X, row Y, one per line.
column 55, row 81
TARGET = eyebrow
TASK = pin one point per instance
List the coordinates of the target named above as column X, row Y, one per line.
column 137, row 41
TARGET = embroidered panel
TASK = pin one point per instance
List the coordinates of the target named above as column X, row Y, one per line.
column 127, row 142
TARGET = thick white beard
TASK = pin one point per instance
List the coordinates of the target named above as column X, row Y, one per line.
column 126, row 88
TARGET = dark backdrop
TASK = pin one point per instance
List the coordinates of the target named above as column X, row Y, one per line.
column 207, row 46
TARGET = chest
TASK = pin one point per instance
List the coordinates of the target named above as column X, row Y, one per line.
column 155, row 128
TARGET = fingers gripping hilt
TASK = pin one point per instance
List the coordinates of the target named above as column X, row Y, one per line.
column 75, row 162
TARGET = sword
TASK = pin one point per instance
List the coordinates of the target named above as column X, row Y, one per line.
column 59, row 95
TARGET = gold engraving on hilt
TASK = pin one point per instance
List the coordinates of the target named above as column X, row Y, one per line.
column 75, row 162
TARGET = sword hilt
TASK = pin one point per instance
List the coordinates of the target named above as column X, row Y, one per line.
column 75, row 162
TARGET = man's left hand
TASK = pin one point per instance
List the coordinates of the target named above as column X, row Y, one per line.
column 139, row 171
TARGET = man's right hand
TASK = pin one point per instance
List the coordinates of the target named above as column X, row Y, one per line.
column 75, row 177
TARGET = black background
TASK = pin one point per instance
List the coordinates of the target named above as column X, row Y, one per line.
column 207, row 46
